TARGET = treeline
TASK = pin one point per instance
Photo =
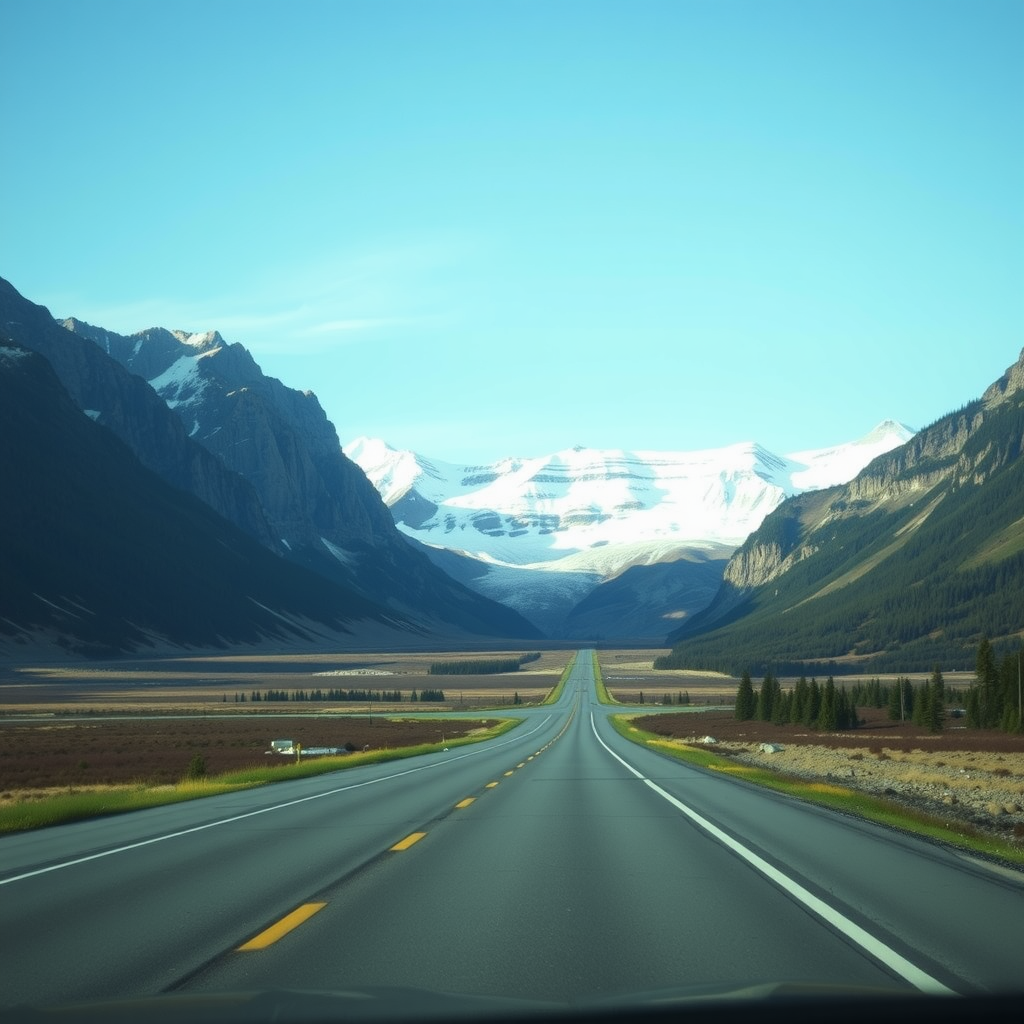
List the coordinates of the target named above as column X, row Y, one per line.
column 807, row 703
column 681, row 697
column 925, row 704
column 352, row 696
column 995, row 699
column 480, row 666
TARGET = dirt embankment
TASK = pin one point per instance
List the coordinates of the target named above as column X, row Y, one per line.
column 964, row 775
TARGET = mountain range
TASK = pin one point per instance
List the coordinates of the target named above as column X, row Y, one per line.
column 162, row 492
column 605, row 544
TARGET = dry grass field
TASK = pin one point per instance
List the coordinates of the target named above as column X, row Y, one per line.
column 41, row 756
column 629, row 673
column 99, row 725
column 213, row 684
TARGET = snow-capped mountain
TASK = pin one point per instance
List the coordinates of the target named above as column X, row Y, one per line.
column 539, row 510
column 582, row 516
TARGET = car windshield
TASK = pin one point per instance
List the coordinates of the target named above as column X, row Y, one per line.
column 511, row 508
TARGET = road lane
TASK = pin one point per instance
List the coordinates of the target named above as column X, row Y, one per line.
column 959, row 919
column 573, row 875
column 569, row 879
column 131, row 903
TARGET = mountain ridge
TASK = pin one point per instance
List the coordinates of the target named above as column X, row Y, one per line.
column 322, row 511
column 100, row 556
column 911, row 562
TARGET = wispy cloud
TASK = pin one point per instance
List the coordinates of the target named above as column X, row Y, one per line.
column 339, row 299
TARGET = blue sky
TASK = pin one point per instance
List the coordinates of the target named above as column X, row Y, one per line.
column 481, row 228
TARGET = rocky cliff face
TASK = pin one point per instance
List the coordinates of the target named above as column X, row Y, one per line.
column 321, row 509
column 952, row 452
column 276, row 437
column 1007, row 386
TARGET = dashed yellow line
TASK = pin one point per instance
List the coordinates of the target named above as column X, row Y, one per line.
column 408, row 841
column 283, row 927
column 507, row 774
column 466, row 802
column 490, row 785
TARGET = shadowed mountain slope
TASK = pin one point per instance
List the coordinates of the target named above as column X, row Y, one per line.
column 99, row 555
column 322, row 511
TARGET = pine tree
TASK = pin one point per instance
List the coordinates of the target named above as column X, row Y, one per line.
column 875, row 698
column 895, row 711
column 1010, row 676
column 922, row 695
column 798, row 703
column 908, row 696
column 766, row 697
column 827, row 717
column 781, row 704
column 973, row 708
column 936, row 701
column 844, row 715
column 813, row 706
column 746, row 701
column 986, row 678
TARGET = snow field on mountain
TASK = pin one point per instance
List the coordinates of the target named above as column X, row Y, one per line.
column 558, row 511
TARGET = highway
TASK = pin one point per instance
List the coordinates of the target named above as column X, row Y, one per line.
column 558, row 862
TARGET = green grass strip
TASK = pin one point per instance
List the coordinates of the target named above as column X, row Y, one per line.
column 827, row 794
column 554, row 695
column 603, row 696
column 74, row 806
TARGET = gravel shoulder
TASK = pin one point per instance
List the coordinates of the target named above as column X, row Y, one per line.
column 961, row 775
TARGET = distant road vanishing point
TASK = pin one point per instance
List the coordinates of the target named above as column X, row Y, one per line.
column 559, row 862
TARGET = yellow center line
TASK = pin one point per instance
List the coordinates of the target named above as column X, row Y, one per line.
column 466, row 802
column 522, row 764
column 283, row 927
column 507, row 774
column 408, row 841
column 490, row 785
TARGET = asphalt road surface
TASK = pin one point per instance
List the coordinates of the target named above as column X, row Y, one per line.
column 559, row 862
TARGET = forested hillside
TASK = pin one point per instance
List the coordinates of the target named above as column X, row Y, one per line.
column 905, row 567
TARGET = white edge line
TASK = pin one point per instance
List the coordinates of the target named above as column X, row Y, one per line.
column 262, row 810
column 875, row 947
